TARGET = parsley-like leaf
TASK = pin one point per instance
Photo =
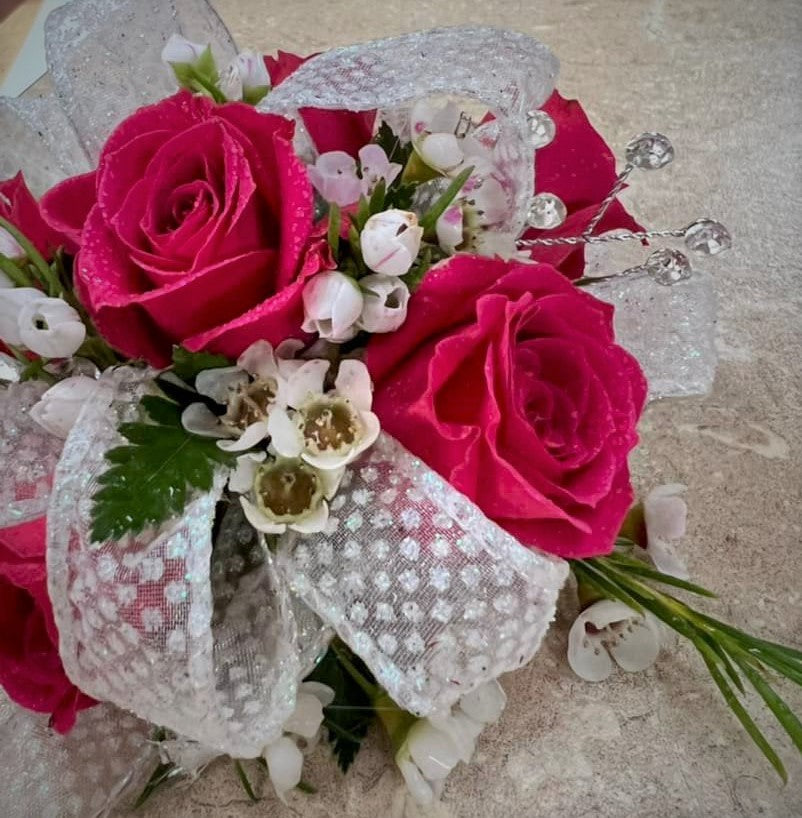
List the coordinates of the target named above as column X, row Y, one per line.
column 152, row 476
column 187, row 365
column 348, row 717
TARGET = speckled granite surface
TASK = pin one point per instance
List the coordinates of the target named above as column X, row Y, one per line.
column 722, row 79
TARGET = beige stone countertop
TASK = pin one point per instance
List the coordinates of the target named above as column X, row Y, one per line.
column 722, row 79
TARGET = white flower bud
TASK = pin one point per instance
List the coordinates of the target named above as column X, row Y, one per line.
column 390, row 242
column 385, row 306
column 441, row 151
column 12, row 300
column 332, row 305
column 50, row 327
column 9, row 246
column 180, row 50
column 246, row 77
column 59, row 407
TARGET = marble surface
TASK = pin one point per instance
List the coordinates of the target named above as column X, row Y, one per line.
column 721, row 78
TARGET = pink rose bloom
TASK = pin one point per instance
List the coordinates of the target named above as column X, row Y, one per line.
column 195, row 229
column 18, row 206
column 506, row 379
column 30, row 667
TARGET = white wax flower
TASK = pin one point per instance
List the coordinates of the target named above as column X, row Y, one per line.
column 284, row 757
column 375, row 166
column 385, row 303
column 390, row 241
column 335, row 178
column 435, row 745
column 328, row 431
column 180, row 50
column 332, row 306
column 665, row 514
column 10, row 247
column 246, row 77
column 59, row 407
column 49, row 327
column 608, row 631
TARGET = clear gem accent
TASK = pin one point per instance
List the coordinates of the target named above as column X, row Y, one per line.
column 546, row 211
column 668, row 267
column 541, row 128
column 650, row 151
column 707, row 237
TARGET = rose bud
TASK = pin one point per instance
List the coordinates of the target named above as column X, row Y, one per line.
column 390, row 242
column 246, row 78
column 385, row 305
column 332, row 305
column 59, row 407
column 9, row 247
column 179, row 50
column 50, row 327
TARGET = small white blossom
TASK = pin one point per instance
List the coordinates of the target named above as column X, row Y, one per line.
column 435, row 745
column 59, row 407
column 375, row 166
column 246, row 78
column 665, row 514
column 180, row 50
column 284, row 757
column 385, row 303
column 390, row 241
column 49, row 327
column 609, row 631
column 329, row 430
column 332, row 306
column 335, row 178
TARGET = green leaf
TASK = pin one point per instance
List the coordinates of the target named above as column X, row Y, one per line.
column 333, row 236
column 162, row 775
column 635, row 566
column 245, row 781
column 740, row 711
column 45, row 275
column 15, row 272
column 188, row 364
column 782, row 712
column 254, row 95
column 376, row 204
column 396, row 150
column 602, row 584
column 362, row 214
column 349, row 716
column 150, row 479
column 400, row 196
column 429, row 219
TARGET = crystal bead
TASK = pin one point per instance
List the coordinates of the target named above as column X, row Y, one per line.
column 650, row 151
column 546, row 211
column 707, row 237
column 668, row 267
column 541, row 128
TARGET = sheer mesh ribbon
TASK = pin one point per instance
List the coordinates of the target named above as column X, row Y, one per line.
column 508, row 72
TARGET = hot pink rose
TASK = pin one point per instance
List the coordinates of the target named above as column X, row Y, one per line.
column 18, row 206
column 196, row 228
column 30, row 667
column 506, row 379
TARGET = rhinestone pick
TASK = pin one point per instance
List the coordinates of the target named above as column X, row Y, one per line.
column 650, row 151
column 707, row 237
column 541, row 128
column 546, row 211
column 668, row 267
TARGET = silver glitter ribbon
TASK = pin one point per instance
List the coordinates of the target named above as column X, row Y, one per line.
column 212, row 642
